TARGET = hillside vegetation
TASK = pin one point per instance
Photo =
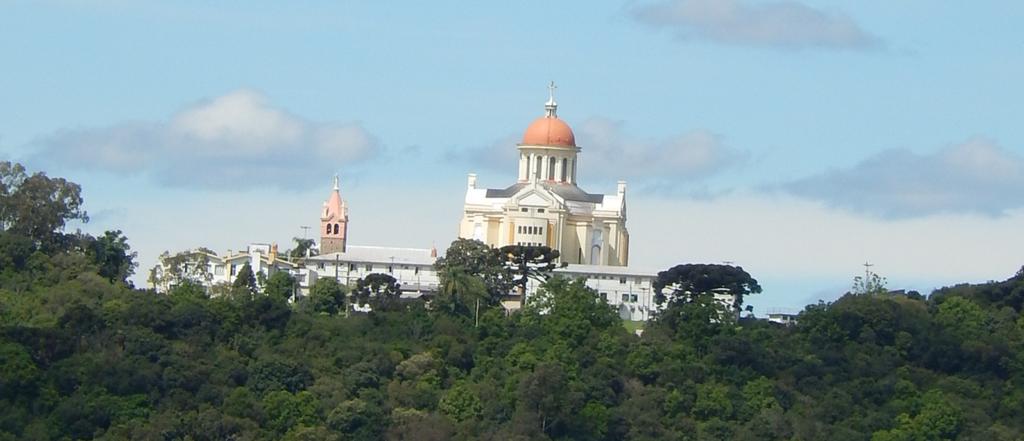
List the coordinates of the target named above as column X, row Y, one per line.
column 83, row 355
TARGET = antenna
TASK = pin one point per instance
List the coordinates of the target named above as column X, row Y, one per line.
column 305, row 231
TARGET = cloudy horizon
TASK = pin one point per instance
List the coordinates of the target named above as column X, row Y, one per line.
column 793, row 138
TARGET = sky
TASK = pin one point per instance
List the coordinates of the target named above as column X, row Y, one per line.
column 798, row 139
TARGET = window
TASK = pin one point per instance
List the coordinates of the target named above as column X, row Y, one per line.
column 625, row 297
column 540, row 210
column 565, row 166
column 369, row 267
column 524, row 210
column 551, row 169
column 391, row 269
column 416, row 270
column 319, row 265
column 351, row 267
column 335, row 228
column 536, row 167
column 622, row 280
column 633, row 298
column 218, row 270
column 328, row 229
column 604, row 296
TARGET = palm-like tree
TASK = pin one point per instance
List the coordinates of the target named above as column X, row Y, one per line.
column 459, row 286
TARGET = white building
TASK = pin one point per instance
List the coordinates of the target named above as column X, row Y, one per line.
column 207, row 268
column 413, row 268
column 546, row 206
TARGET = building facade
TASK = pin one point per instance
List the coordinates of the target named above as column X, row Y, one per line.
column 207, row 268
column 546, row 206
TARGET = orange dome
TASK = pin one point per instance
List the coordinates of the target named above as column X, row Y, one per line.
column 549, row 130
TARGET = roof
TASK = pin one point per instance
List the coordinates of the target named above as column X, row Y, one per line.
column 404, row 256
column 505, row 192
column 549, row 131
column 605, row 270
column 569, row 192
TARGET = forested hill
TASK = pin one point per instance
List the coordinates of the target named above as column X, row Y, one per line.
column 85, row 356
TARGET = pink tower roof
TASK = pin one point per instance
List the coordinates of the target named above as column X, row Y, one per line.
column 334, row 207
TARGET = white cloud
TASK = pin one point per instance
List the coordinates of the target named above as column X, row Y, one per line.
column 608, row 152
column 235, row 140
column 974, row 176
column 779, row 238
column 611, row 153
column 782, row 24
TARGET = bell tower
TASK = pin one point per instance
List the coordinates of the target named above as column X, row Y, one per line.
column 334, row 223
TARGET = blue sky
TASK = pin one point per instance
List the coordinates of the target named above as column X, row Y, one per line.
column 798, row 139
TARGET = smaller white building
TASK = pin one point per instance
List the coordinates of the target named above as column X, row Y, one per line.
column 413, row 268
column 629, row 290
column 205, row 267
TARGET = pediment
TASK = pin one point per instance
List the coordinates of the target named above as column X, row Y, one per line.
column 534, row 199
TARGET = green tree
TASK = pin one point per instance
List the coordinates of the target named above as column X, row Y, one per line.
column 193, row 265
column 938, row 420
column 473, row 257
column 871, row 283
column 460, row 404
column 528, row 262
column 280, row 285
column 571, row 310
column 326, row 296
column 684, row 283
column 302, row 248
column 461, row 291
column 112, row 254
column 285, row 410
column 37, row 206
column 380, row 291
column 245, row 280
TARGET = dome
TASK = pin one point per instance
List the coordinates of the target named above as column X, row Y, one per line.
column 549, row 130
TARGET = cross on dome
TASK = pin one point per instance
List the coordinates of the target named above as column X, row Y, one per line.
column 551, row 107
column 336, row 187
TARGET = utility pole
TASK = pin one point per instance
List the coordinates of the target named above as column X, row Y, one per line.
column 305, row 231
column 867, row 271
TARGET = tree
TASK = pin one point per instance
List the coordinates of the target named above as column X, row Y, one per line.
column 528, row 262
column 461, row 291
column 691, row 310
column 685, row 283
column 571, row 309
column 37, row 206
column 112, row 254
column 380, row 291
column 280, row 285
column 174, row 269
column 871, row 283
column 478, row 259
column 302, row 247
column 326, row 296
column 245, row 280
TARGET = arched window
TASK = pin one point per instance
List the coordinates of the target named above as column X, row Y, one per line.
column 565, row 169
column 328, row 229
column 573, row 174
column 536, row 167
column 335, row 228
column 551, row 168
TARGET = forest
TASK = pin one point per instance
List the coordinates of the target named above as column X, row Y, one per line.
column 86, row 355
